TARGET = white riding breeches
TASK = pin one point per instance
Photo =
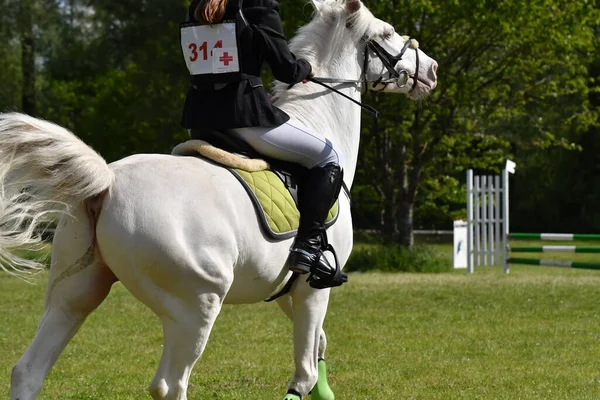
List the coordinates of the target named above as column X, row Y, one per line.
column 293, row 142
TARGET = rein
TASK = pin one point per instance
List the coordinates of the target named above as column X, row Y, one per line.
column 389, row 62
column 321, row 81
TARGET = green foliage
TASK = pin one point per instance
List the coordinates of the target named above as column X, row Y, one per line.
column 10, row 58
column 10, row 78
column 397, row 259
column 513, row 80
column 517, row 79
column 110, row 71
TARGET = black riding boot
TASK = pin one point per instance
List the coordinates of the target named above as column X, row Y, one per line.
column 316, row 197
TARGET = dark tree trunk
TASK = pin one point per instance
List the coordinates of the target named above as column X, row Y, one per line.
column 28, row 103
column 382, row 174
column 389, row 227
column 406, row 235
column 409, row 179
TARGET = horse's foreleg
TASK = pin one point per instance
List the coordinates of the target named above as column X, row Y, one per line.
column 321, row 390
column 69, row 300
column 309, row 307
column 285, row 303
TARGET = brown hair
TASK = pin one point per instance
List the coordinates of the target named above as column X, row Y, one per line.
column 210, row 11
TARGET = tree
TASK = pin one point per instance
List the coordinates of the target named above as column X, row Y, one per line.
column 10, row 62
column 509, row 72
column 26, row 11
column 120, row 83
column 516, row 79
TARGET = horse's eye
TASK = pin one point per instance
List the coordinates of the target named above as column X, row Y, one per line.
column 388, row 34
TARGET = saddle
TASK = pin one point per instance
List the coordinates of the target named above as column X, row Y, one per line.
column 271, row 184
column 273, row 188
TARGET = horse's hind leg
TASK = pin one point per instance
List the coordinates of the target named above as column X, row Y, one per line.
column 67, row 306
column 77, row 285
column 321, row 390
column 185, row 335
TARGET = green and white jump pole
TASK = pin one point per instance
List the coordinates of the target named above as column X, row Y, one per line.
column 488, row 227
column 487, row 219
column 555, row 236
column 554, row 263
column 555, row 249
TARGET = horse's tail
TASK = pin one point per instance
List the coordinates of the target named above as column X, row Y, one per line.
column 44, row 168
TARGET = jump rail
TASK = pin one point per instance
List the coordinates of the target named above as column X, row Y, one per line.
column 554, row 236
column 488, row 229
column 554, row 249
column 554, row 263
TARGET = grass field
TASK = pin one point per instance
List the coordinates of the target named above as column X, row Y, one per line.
column 532, row 334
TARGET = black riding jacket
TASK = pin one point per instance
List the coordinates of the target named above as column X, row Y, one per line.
column 245, row 103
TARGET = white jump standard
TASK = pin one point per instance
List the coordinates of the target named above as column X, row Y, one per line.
column 487, row 219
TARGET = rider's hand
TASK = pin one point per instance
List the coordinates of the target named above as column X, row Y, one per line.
column 312, row 74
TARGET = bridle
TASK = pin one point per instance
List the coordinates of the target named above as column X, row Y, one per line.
column 389, row 61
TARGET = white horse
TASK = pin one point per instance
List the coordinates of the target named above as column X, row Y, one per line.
column 180, row 233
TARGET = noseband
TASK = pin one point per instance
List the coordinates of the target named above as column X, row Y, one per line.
column 389, row 61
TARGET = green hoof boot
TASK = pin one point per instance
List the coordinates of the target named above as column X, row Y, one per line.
column 291, row 396
column 322, row 391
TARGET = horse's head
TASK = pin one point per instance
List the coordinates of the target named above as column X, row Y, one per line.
column 387, row 61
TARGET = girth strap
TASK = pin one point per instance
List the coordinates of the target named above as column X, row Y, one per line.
column 286, row 289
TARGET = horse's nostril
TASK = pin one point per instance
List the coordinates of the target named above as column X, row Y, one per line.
column 434, row 67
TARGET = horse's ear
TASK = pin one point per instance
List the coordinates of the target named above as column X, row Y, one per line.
column 353, row 6
column 317, row 4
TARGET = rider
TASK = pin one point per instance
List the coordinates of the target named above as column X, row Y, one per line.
column 235, row 100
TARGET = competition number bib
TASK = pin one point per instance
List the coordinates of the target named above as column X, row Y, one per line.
column 210, row 49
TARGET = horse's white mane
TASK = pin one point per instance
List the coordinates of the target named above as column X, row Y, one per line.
column 328, row 28
column 321, row 39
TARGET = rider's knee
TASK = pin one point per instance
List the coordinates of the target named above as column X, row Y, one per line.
column 334, row 155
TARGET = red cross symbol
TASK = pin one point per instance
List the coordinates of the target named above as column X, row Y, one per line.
column 226, row 59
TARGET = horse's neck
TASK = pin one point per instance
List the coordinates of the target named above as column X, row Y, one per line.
column 336, row 118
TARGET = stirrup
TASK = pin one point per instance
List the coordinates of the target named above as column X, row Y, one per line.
column 323, row 275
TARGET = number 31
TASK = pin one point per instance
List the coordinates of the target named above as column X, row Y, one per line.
column 204, row 49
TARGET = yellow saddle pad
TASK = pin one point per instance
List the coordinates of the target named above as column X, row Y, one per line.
column 274, row 204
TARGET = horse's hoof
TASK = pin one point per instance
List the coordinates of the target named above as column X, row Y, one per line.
column 292, row 397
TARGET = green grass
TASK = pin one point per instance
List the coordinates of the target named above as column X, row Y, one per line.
column 532, row 334
column 41, row 253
